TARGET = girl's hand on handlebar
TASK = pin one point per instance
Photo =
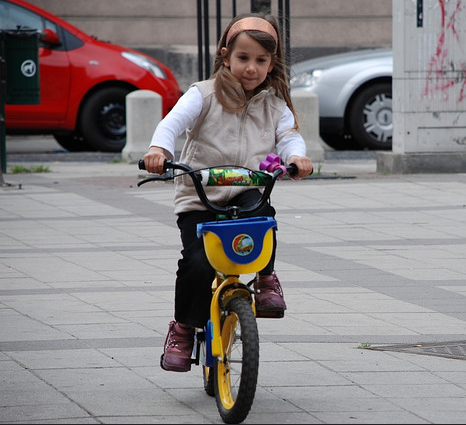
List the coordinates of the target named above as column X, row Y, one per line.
column 304, row 165
column 154, row 160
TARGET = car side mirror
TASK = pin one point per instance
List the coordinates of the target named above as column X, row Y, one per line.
column 50, row 37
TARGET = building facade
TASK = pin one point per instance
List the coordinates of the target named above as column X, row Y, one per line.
column 168, row 29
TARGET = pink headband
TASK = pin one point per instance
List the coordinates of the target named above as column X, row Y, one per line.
column 254, row 24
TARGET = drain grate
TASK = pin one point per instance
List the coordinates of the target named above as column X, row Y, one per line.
column 452, row 350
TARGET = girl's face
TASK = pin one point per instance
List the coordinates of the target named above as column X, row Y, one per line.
column 249, row 62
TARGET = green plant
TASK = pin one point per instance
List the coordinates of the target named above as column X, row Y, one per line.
column 17, row 169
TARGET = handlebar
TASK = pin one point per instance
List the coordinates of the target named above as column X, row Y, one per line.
column 224, row 176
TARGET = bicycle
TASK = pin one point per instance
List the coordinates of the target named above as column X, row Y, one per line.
column 228, row 345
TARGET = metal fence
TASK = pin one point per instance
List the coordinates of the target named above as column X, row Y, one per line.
column 203, row 33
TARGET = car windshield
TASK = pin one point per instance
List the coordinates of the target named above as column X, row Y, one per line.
column 13, row 16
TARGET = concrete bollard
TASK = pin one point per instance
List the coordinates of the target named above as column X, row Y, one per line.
column 306, row 105
column 143, row 113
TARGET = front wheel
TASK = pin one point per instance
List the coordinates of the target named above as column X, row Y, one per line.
column 370, row 117
column 235, row 377
column 103, row 119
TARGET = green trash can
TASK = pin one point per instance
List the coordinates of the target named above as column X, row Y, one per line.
column 19, row 76
column 20, row 51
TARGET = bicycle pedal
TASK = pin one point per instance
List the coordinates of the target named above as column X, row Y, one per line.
column 270, row 314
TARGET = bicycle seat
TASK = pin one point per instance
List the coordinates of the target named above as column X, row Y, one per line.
column 235, row 247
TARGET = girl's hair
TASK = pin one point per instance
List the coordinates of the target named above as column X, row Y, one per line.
column 229, row 90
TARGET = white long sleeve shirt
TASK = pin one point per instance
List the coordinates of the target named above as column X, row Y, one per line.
column 216, row 136
column 187, row 111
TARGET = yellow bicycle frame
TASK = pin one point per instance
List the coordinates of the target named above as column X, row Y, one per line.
column 233, row 291
column 226, row 284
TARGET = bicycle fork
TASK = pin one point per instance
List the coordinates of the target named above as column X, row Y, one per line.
column 224, row 289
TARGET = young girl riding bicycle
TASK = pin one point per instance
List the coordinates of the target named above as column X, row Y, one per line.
column 238, row 116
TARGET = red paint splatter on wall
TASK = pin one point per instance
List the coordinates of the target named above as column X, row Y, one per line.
column 439, row 64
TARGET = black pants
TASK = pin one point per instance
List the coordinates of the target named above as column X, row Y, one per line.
column 193, row 291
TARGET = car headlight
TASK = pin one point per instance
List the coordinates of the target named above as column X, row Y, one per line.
column 145, row 63
column 306, row 79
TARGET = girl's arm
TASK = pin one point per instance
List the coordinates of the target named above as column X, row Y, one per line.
column 291, row 146
column 183, row 115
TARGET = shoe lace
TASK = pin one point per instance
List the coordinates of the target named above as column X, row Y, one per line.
column 277, row 287
column 171, row 337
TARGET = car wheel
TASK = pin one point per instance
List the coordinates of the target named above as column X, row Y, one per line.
column 370, row 117
column 71, row 141
column 103, row 119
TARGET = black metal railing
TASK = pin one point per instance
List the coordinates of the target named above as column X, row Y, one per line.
column 203, row 33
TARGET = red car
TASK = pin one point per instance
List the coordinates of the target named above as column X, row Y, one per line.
column 83, row 83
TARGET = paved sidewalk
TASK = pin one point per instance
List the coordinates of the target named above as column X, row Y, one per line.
column 373, row 269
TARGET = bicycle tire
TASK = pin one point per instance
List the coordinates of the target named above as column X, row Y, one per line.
column 208, row 375
column 236, row 377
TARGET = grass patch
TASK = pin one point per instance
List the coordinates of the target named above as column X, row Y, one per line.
column 18, row 169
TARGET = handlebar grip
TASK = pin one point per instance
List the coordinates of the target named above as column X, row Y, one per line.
column 142, row 165
column 292, row 169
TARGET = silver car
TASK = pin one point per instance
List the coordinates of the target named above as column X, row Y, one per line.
column 354, row 90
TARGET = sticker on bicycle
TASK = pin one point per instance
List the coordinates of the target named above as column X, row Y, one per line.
column 243, row 244
column 233, row 177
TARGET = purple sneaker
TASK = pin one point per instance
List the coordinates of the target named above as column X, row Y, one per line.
column 178, row 348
